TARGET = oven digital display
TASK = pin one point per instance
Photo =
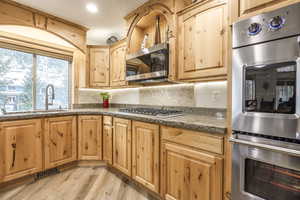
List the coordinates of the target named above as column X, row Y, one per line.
column 271, row 182
column 270, row 88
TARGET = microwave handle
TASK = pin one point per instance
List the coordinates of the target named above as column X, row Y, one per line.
column 265, row 146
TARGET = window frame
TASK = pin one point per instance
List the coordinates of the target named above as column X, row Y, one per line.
column 34, row 73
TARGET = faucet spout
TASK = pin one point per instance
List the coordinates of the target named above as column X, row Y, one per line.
column 49, row 93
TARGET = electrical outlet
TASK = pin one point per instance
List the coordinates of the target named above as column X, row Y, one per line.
column 215, row 95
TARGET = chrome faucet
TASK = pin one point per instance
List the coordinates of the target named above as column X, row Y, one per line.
column 49, row 87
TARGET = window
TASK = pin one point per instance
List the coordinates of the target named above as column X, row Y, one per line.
column 25, row 76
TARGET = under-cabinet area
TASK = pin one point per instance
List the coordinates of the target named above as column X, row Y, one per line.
column 165, row 161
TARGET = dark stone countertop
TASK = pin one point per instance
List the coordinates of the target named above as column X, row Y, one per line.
column 191, row 121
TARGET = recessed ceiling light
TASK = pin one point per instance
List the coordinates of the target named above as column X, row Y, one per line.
column 92, row 8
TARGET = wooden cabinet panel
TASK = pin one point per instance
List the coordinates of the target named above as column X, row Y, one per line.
column 201, row 40
column 99, row 67
column 195, row 139
column 189, row 174
column 122, row 145
column 145, row 154
column 74, row 35
column 21, row 149
column 60, row 141
column 107, row 144
column 118, row 64
column 248, row 5
column 90, row 138
column 12, row 15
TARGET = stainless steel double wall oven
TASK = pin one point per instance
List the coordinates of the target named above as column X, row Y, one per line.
column 266, row 106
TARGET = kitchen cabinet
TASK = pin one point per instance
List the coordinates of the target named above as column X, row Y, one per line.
column 99, row 66
column 90, row 138
column 145, row 154
column 202, row 42
column 60, row 141
column 108, row 139
column 118, row 64
column 190, row 174
column 122, row 145
column 20, row 149
column 241, row 9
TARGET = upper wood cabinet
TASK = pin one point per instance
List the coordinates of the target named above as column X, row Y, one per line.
column 99, row 66
column 60, row 141
column 145, row 154
column 189, row 174
column 118, row 64
column 202, row 42
column 241, row 9
column 122, row 145
column 20, row 149
column 90, row 137
column 108, row 139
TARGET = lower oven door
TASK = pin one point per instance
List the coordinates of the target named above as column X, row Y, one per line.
column 263, row 173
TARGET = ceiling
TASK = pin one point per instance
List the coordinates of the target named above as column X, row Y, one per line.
column 107, row 22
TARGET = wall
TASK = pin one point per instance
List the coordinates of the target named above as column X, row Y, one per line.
column 207, row 95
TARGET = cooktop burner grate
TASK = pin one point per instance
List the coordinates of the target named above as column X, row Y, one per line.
column 152, row 111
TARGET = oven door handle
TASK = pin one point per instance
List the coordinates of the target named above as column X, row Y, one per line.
column 266, row 146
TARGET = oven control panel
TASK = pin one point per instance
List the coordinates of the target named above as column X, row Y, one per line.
column 265, row 27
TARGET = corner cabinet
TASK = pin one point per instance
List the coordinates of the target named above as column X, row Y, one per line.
column 118, row 64
column 99, row 66
column 20, row 149
column 145, row 154
column 122, row 145
column 89, row 137
column 60, row 141
column 202, row 41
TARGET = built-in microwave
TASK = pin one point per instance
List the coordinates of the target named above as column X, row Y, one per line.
column 148, row 64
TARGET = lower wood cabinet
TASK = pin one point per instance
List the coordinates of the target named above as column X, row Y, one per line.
column 90, row 137
column 145, row 154
column 20, row 149
column 122, row 145
column 190, row 174
column 108, row 139
column 60, row 139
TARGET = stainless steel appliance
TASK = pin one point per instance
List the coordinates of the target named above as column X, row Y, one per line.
column 152, row 111
column 149, row 64
column 266, row 106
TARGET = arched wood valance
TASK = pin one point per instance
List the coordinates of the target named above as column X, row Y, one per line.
column 12, row 13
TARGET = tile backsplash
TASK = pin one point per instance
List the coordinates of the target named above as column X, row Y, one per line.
column 207, row 95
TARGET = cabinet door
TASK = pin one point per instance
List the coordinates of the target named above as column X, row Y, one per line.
column 190, row 175
column 202, row 42
column 99, row 67
column 145, row 154
column 20, row 149
column 248, row 5
column 90, row 138
column 107, row 139
column 122, row 145
column 118, row 65
column 60, row 141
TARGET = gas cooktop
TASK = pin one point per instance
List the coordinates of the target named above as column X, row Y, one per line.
column 152, row 112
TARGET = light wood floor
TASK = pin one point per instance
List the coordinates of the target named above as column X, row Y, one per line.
column 77, row 184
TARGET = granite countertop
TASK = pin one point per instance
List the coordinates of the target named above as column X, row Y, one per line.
column 192, row 121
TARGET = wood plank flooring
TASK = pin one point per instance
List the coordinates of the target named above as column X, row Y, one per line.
column 80, row 183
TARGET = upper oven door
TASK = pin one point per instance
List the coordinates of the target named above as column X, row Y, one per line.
column 266, row 88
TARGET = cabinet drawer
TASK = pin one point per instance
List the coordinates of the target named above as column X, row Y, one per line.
column 107, row 120
column 199, row 140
